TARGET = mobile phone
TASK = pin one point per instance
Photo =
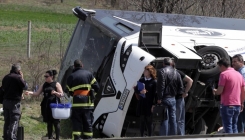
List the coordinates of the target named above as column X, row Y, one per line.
column 213, row 87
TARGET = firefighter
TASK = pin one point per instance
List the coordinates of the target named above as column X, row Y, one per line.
column 80, row 84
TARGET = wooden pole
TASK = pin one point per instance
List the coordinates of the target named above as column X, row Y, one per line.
column 29, row 40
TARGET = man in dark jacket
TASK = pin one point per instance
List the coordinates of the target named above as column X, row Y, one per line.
column 13, row 85
column 80, row 84
column 169, row 84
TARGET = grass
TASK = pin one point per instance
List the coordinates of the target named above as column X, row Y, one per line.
column 31, row 119
column 52, row 26
column 36, row 16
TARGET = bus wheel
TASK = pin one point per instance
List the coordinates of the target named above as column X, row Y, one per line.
column 210, row 56
column 200, row 127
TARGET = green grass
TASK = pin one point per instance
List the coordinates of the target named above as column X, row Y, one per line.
column 31, row 120
column 52, row 27
column 36, row 16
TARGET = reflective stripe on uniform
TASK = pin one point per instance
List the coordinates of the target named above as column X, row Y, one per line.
column 88, row 134
column 76, row 133
column 68, row 87
column 80, row 86
column 82, row 104
column 92, row 82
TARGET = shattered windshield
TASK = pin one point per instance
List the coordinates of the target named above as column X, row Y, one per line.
column 97, row 46
column 89, row 44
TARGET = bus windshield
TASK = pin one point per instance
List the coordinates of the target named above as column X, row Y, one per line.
column 89, row 44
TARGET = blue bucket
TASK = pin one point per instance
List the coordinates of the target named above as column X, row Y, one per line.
column 60, row 105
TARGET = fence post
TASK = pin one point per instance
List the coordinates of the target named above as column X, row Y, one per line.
column 29, row 40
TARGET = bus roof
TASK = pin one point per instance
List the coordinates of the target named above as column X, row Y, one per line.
column 173, row 19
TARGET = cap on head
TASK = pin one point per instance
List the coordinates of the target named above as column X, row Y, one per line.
column 78, row 63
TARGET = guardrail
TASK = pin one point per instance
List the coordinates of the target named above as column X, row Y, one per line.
column 190, row 137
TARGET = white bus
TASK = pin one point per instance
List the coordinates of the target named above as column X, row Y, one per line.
column 116, row 46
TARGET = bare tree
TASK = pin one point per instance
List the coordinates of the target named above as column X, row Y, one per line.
column 162, row 6
column 216, row 8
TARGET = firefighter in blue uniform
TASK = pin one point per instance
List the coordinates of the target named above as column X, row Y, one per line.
column 80, row 84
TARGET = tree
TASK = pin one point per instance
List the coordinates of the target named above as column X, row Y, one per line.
column 216, row 8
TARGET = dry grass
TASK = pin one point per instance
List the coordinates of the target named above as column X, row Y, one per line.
column 50, row 21
column 34, row 127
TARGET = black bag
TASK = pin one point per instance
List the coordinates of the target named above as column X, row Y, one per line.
column 1, row 95
column 160, row 112
column 20, row 133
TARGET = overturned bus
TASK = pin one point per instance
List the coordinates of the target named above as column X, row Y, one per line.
column 116, row 46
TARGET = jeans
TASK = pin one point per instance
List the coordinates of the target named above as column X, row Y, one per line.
column 241, row 122
column 229, row 115
column 180, row 116
column 170, row 103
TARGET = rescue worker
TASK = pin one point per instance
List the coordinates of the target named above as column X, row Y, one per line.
column 80, row 84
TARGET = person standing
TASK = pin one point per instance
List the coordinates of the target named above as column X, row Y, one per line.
column 169, row 84
column 52, row 91
column 13, row 85
column 146, row 102
column 180, row 102
column 80, row 84
column 238, row 64
column 231, row 89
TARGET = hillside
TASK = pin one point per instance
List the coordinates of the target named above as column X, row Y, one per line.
column 52, row 24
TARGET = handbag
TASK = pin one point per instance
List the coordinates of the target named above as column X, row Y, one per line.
column 160, row 112
column 1, row 95
column 20, row 133
column 60, row 110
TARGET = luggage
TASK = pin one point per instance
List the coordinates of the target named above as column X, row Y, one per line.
column 20, row 133
column 160, row 112
column 1, row 95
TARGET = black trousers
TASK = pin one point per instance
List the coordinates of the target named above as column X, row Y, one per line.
column 146, row 122
column 11, row 119
column 56, row 124
column 82, row 120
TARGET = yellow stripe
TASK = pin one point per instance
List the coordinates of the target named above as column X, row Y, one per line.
column 80, row 86
column 75, row 133
column 88, row 134
column 82, row 105
column 92, row 82
column 68, row 87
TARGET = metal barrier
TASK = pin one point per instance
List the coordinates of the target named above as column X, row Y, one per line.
column 190, row 137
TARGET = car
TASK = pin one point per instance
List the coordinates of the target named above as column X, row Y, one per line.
column 116, row 46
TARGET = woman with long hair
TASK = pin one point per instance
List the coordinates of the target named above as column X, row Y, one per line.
column 146, row 102
column 52, row 91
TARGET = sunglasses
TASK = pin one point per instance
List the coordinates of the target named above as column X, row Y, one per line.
column 46, row 76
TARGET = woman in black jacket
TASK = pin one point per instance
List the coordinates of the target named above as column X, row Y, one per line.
column 52, row 92
column 146, row 99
